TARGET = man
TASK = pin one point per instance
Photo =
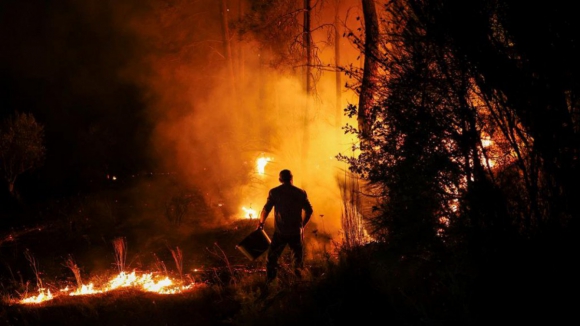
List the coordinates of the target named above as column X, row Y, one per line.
column 292, row 211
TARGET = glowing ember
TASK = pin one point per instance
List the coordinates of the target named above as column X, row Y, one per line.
column 249, row 213
column 261, row 164
column 145, row 282
column 486, row 142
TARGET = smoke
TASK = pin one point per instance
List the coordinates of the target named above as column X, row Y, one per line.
column 207, row 119
column 212, row 121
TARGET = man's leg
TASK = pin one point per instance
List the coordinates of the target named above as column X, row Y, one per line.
column 295, row 244
column 274, row 252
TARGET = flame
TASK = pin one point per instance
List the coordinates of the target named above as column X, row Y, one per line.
column 487, row 142
column 43, row 295
column 261, row 164
column 249, row 213
column 147, row 282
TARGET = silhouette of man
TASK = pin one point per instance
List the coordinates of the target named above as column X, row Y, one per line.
column 292, row 211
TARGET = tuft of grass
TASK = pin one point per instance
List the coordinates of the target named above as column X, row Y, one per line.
column 222, row 255
column 119, row 244
column 178, row 258
column 34, row 266
column 70, row 264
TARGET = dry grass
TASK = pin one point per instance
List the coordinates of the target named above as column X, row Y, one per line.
column 70, row 264
column 352, row 218
column 120, row 253
column 178, row 259
column 34, row 266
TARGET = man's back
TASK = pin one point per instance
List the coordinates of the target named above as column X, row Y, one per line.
column 288, row 202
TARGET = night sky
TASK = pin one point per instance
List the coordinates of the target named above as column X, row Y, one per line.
column 78, row 67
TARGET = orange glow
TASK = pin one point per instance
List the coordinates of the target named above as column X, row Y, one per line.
column 261, row 164
column 487, row 143
column 249, row 213
column 43, row 295
column 147, row 282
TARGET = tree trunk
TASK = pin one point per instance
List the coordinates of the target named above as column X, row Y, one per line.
column 241, row 53
column 307, row 39
column 338, row 116
column 227, row 46
column 366, row 100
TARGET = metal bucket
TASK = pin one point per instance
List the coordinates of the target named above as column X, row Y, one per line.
column 255, row 244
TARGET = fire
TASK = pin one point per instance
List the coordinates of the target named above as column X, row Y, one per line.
column 487, row 143
column 261, row 164
column 43, row 295
column 147, row 282
column 249, row 213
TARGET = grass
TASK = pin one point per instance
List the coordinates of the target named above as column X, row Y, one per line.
column 359, row 284
column 112, row 232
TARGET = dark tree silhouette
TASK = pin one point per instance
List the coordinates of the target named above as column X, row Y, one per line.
column 21, row 147
column 474, row 134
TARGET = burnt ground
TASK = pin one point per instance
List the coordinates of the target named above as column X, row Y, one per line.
column 200, row 307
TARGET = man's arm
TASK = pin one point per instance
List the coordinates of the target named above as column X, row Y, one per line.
column 265, row 211
column 263, row 216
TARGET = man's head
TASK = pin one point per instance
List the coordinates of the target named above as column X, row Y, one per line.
column 285, row 176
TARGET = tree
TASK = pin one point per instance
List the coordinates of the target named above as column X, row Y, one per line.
column 21, row 147
column 370, row 68
column 422, row 143
column 526, row 70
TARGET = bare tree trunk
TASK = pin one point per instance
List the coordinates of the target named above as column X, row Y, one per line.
column 307, row 39
column 338, row 113
column 227, row 46
column 241, row 54
column 366, row 100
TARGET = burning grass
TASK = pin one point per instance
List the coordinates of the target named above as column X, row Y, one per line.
column 147, row 282
column 77, row 270
column 144, row 281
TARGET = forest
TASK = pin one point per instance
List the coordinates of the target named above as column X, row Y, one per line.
column 438, row 141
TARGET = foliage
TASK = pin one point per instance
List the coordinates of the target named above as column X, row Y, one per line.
column 451, row 139
column 21, row 146
column 523, row 73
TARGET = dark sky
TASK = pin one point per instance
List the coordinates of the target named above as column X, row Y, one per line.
column 74, row 65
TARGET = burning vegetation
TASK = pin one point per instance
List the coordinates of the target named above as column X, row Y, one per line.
column 143, row 281
column 439, row 142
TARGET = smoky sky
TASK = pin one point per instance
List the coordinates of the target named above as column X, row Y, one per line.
column 132, row 87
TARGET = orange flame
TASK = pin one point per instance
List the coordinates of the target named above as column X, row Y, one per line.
column 43, row 295
column 145, row 282
column 249, row 213
column 261, row 164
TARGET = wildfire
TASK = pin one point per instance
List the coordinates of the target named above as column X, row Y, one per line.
column 43, row 295
column 249, row 213
column 147, row 282
column 261, row 164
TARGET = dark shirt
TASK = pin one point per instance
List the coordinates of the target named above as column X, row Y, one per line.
column 288, row 202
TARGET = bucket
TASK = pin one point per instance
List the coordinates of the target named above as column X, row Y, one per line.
column 255, row 244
